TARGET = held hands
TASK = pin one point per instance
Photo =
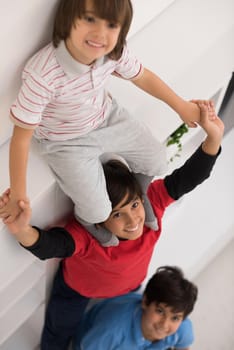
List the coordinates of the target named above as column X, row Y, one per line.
column 22, row 220
column 214, row 128
column 191, row 112
column 10, row 209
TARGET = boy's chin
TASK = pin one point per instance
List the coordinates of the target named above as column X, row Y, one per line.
column 130, row 237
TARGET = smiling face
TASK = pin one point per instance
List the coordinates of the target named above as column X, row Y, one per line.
column 127, row 219
column 158, row 321
column 92, row 37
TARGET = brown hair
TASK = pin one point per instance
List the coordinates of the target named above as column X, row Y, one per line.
column 116, row 11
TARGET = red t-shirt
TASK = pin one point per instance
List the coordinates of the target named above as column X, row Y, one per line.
column 100, row 272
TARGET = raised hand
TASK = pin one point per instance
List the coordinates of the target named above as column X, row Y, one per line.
column 214, row 127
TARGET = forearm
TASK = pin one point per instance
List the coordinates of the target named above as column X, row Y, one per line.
column 195, row 170
column 211, row 145
column 53, row 243
column 156, row 87
column 18, row 159
column 27, row 236
column 18, row 168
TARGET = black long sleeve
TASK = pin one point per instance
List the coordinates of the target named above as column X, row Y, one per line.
column 53, row 243
column 195, row 170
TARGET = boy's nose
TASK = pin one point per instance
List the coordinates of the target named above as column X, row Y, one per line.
column 100, row 29
column 131, row 220
column 165, row 324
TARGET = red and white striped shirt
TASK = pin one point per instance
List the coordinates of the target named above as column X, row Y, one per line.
column 61, row 98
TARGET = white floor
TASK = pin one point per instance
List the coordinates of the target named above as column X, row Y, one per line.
column 213, row 316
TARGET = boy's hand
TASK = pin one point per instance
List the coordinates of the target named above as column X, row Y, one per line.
column 9, row 208
column 191, row 113
column 22, row 220
column 209, row 105
column 214, row 129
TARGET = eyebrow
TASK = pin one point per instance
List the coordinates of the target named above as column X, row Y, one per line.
column 178, row 314
column 175, row 313
column 125, row 203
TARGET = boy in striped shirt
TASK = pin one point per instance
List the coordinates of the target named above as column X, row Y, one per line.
column 64, row 103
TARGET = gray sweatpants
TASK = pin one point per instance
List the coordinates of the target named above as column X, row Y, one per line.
column 77, row 167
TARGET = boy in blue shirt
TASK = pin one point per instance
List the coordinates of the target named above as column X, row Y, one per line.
column 156, row 321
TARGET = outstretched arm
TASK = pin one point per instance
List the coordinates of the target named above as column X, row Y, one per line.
column 19, row 149
column 198, row 167
column 213, row 128
column 45, row 244
column 188, row 111
column 20, row 228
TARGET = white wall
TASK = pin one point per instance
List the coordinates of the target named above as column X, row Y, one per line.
column 25, row 27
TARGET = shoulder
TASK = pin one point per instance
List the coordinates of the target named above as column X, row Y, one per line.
column 110, row 322
column 126, row 52
column 40, row 58
column 185, row 333
column 126, row 301
column 158, row 195
column 157, row 188
column 127, row 58
column 83, row 240
column 121, row 308
column 186, row 325
column 41, row 63
column 128, row 66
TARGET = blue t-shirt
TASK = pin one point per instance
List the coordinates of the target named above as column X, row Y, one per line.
column 115, row 324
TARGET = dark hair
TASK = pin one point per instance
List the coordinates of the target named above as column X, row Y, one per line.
column 116, row 11
column 169, row 286
column 120, row 182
